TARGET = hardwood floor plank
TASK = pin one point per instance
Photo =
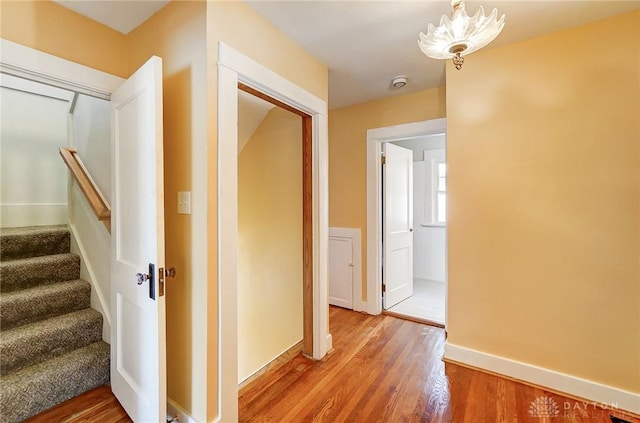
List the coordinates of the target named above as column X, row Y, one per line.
column 97, row 405
column 384, row 369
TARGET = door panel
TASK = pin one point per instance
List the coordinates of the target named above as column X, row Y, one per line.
column 138, row 363
column 397, row 186
column 341, row 272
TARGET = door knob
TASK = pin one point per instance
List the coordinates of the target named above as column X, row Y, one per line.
column 141, row 277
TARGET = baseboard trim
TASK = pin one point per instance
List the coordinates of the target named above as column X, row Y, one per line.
column 360, row 306
column 174, row 410
column 14, row 215
column 96, row 292
column 561, row 383
column 273, row 364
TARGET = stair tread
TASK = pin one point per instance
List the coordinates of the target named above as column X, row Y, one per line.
column 24, row 273
column 42, row 290
column 29, row 230
column 43, row 302
column 34, row 241
column 36, row 388
column 30, row 260
column 51, row 346
column 32, row 343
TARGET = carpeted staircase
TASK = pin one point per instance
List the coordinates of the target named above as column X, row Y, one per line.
column 51, row 346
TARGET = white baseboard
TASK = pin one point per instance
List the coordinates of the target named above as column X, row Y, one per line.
column 608, row 396
column 329, row 342
column 87, row 272
column 358, row 304
column 16, row 215
column 174, row 410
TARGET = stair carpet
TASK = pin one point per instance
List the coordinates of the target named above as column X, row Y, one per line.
column 51, row 346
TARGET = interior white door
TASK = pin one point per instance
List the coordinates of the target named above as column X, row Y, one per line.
column 341, row 272
column 138, row 360
column 397, row 222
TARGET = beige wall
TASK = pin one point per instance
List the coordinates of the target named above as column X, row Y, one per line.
column 544, row 212
column 269, row 242
column 347, row 153
column 177, row 33
column 242, row 28
column 53, row 29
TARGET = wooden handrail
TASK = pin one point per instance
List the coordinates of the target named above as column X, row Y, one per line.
column 96, row 200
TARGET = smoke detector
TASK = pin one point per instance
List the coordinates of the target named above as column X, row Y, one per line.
column 399, row 81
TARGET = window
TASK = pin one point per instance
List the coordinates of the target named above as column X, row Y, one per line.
column 440, row 191
column 435, row 188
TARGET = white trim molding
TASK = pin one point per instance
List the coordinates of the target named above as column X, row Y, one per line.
column 375, row 138
column 174, row 410
column 14, row 215
column 234, row 67
column 25, row 62
column 88, row 273
column 600, row 394
column 355, row 235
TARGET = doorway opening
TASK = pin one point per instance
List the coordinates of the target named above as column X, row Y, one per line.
column 234, row 68
column 424, row 300
column 390, row 255
column 275, row 294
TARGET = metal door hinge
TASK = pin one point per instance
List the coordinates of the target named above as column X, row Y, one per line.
column 383, row 160
column 384, row 288
column 165, row 273
column 161, row 281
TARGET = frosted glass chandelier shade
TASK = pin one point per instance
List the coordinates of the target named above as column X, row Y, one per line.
column 461, row 34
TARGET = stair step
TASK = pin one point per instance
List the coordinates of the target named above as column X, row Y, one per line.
column 34, row 241
column 31, row 305
column 31, row 344
column 29, row 272
column 37, row 388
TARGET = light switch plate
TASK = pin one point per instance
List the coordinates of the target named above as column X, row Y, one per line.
column 184, row 202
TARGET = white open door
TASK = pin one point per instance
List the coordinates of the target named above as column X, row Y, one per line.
column 397, row 223
column 138, row 361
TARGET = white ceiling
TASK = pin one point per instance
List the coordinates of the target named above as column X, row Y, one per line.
column 122, row 15
column 366, row 43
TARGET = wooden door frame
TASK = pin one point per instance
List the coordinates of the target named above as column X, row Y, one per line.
column 234, row 68
column 375, row 138
column 307, row 214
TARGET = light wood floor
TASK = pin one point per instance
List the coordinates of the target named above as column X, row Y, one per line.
column 382, row 369
column 98, row 405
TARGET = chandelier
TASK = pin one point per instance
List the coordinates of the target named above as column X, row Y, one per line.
column 461, row 34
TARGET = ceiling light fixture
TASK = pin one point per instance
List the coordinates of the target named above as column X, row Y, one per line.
column 461, row 34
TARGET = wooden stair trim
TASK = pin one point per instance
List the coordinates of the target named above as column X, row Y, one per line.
column 87, row 185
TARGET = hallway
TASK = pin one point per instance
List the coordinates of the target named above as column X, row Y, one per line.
column 384, row 369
